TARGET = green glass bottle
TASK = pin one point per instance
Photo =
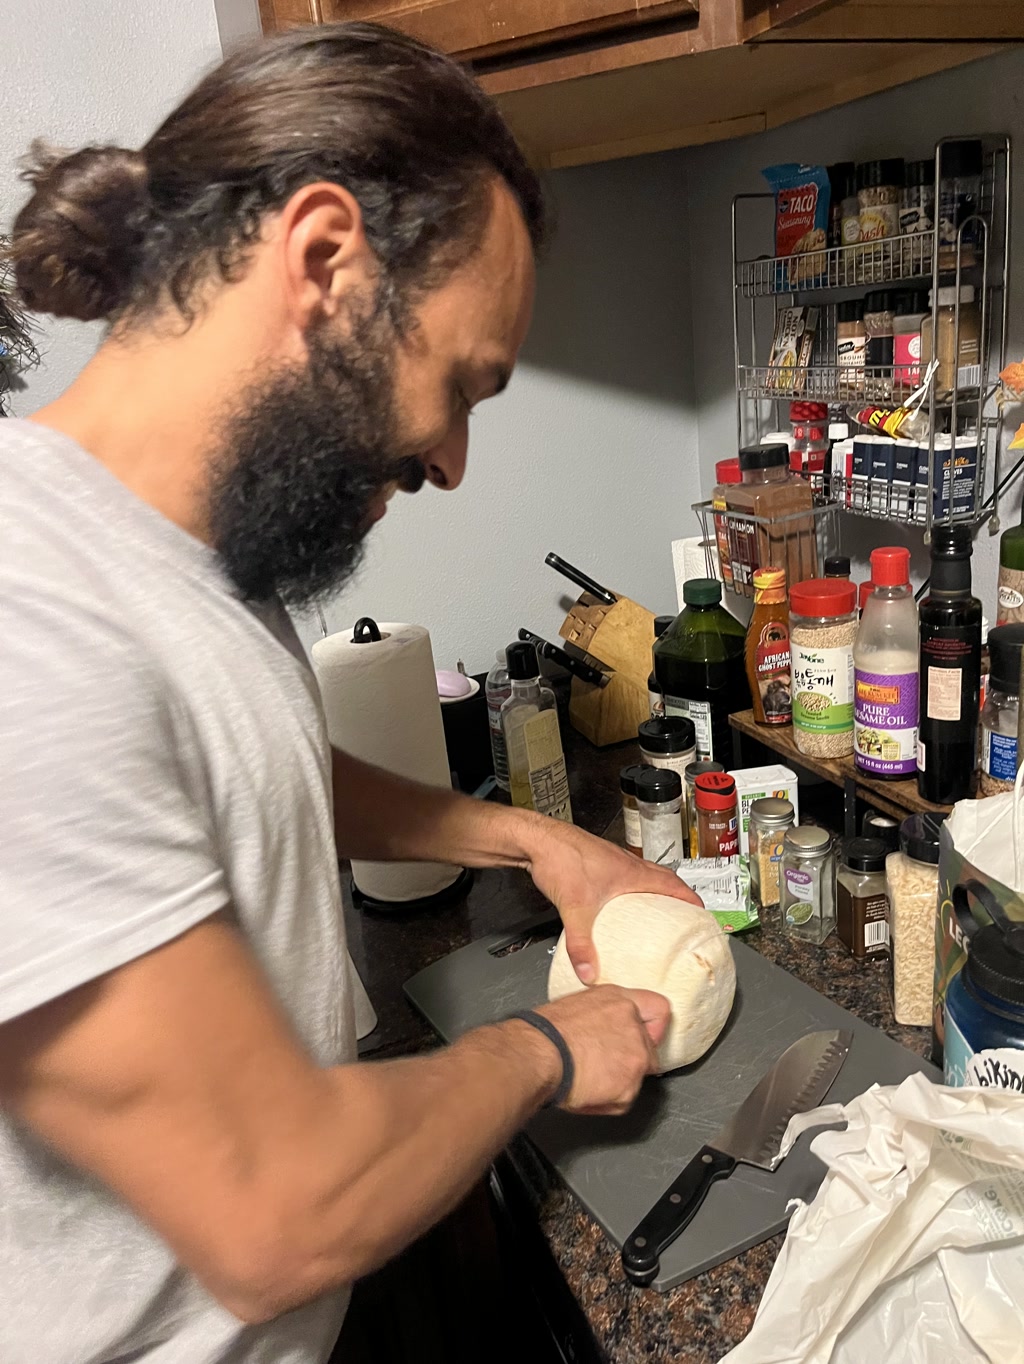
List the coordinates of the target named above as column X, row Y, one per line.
column 1011, row 575
column 699, row 664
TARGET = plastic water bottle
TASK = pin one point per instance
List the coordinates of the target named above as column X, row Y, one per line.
column 497, row 690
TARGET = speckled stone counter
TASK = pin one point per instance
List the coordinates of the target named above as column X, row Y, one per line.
column 702, row 1319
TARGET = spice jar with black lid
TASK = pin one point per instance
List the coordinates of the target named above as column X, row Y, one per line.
column 878, row 195
column 862, row 903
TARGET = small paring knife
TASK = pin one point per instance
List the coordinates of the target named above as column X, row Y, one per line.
column 796, row 1083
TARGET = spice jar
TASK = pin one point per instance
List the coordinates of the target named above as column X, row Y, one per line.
column 851, row 346
column 822, row 631
column 842, row 185
column 878, row 195
column 960, row 165
column 911, row 307
column 655, row 694
column 769, row 820
column 668, row 741
column 1000, row 715
column 862, row 905
column 883, row 827
column 806, row 889
column 912, row 885
column 659, row 798
column 879, row 312
column 959, row 355
column 917, row 203
column 726, row 471
column 690, row 776
column 630, row 810
column 838, row 566
column 717, row 815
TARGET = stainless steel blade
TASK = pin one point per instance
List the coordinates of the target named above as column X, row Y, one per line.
column 798, row 1081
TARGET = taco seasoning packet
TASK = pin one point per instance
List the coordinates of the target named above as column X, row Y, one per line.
column 801, row 217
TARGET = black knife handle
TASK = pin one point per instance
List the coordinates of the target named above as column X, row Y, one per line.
column 581, row 580
column 673, row 1211
column 554, row 654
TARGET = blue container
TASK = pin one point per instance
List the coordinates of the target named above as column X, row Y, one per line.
column 985, row 1012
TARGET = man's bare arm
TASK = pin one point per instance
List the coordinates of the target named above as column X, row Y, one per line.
column 178, row 1083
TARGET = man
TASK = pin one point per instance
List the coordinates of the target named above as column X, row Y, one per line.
column 312, row 272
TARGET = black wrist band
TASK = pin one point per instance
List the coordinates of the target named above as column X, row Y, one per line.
column 549, row 1030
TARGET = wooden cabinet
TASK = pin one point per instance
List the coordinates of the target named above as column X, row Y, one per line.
column 590, row 80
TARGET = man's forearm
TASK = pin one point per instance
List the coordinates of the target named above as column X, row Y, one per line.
column 383, row 818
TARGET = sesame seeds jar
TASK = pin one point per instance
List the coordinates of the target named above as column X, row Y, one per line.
column 822, row 630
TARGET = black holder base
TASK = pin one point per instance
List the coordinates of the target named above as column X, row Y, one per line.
column 451, row 893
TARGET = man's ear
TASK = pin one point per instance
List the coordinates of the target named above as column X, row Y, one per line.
column 325, row 256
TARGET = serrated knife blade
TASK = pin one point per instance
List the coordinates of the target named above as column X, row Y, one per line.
column 797, row 1082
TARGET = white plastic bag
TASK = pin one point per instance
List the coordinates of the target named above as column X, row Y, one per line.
column 912, row 1252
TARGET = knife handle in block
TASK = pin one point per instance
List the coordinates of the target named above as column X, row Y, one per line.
column 672, row 1213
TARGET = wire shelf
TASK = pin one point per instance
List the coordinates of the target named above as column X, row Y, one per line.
column 799, row 542
column 892, row 260
column 832, row 384
column 903, row 504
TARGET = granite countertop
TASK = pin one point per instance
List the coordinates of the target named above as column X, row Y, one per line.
column 699, row 1321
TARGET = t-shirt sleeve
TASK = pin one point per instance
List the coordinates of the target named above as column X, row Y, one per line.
column 104, row 854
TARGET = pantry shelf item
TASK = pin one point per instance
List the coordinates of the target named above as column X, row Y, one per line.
column 851, row 283
column 654, row 694
column 659, row 799
column 862, row 904
column 796, row 541
column 950, row 630
column 771, row 493
column 806, row 887
column 536, row 763
column 767, row 655
column 690, row 798
column 912, row 880
column 999, row 719
column 717, row 815
column 770, row 818
column 823, row 628
column 699, row 665
column 886, row 671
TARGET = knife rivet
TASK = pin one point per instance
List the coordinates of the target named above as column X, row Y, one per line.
column 640, row 1242
column 675, row 1198
column 706, row 1160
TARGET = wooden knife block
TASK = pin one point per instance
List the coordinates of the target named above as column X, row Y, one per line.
column 620, row 636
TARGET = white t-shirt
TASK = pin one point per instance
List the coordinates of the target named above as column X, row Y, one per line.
column 163, row 757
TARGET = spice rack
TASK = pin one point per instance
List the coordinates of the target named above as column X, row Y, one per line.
column 764, row 285
column 799, row 535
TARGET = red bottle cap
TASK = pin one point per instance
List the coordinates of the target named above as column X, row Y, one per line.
column 714, row 791
column 864, row 592
column 890, row 567
column 728, row 471
column 823, row 597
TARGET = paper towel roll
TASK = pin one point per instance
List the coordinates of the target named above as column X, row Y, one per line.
column 380, row 700
column 690, row 560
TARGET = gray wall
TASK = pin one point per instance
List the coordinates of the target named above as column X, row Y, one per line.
column 592, row 451
column 985, row 96
column 90, row 71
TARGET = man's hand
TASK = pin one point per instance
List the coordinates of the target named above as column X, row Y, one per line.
column 612, row 1034
column 579, row 874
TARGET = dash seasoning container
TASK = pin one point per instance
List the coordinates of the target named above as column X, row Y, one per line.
column 767, row 649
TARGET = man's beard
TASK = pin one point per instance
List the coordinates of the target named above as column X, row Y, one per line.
column 303, row 459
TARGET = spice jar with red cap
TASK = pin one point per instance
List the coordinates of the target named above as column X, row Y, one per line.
column 822, row 631
column 726, row 471
column 886, row 672
column 717, row 815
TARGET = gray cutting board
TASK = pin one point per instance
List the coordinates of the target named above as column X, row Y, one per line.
column 618, row 1167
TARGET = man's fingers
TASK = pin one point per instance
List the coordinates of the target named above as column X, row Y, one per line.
column 583, row 957
column 654, row 1010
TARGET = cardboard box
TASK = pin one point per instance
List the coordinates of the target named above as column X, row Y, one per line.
column 754, row 782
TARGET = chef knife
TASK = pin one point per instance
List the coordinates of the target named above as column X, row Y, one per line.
column 581, row 580
column 576, row 666
column 797, row 1082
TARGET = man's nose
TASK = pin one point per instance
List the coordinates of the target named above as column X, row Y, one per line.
column 446, row 462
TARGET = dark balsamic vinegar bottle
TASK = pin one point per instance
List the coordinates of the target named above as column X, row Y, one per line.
column 950, row 620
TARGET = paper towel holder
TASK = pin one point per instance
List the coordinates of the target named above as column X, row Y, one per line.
column 439, row 900
column 366, row 631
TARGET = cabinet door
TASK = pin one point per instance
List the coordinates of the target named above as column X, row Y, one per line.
column 484, row 27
